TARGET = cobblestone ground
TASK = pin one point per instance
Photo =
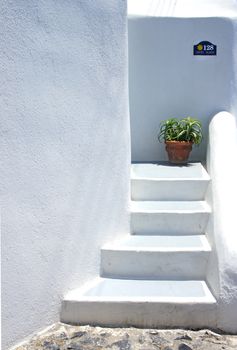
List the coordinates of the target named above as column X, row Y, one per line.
column 64, row 337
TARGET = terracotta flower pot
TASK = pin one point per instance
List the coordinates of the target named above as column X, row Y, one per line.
column 178, row 151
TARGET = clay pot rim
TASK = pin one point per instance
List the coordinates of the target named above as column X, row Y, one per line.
column 180, row 142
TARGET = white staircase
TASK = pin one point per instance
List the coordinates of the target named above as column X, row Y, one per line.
column 155, row 277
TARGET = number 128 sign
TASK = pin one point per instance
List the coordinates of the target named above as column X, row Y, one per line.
column 204, row 48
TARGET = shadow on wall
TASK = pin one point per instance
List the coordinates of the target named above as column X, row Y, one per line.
column 167, row 80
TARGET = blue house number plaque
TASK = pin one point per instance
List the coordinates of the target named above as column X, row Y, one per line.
column 204, row 48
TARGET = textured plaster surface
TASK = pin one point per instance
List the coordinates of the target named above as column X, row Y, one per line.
column 65, row 141
column 234, row 74
column 166, row 80
column 64, row 151
column 183, row 8
column 222, row 166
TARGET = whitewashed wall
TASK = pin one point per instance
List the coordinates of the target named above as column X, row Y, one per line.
column 65, row 150
column 166, row 80
column 222, row 269
column 183, row 8
column 222, row 166
column 234, row 77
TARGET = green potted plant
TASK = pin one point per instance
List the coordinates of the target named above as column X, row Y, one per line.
column 179, row 136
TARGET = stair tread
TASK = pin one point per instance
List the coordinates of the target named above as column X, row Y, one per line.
column 161, row 243
column 167, row 283
column 170, row 291
column 169, row 206
column 165, row 171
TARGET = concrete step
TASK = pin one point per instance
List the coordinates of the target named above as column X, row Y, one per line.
column 141, row 303
column 159, row 257
column 169, row 217
column 163, row 181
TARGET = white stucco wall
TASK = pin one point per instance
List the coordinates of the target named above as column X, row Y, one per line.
column 183, row 8
column 222, row 166
column 166, row 80
column 234, row 78
column 65, row 151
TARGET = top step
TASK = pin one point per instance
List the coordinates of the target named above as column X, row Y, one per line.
column 164, row 170
column 163, row 181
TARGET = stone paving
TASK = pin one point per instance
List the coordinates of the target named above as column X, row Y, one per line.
column 64, row 337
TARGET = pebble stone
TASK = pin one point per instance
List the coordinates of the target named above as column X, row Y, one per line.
column 65, row 337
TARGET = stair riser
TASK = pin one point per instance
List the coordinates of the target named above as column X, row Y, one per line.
column 168, row 190
column 154, row 265
column 154, row 282
column 149, row 314
column 168, row 223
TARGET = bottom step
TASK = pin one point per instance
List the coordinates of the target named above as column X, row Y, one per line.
column 141, row 303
